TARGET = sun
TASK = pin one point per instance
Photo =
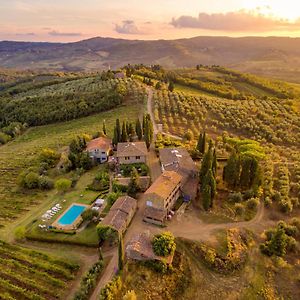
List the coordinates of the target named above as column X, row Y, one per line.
column 287, row 9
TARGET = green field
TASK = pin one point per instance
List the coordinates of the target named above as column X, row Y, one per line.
column 22, row 153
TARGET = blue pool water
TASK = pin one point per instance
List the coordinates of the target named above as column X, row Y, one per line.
column 71, row 215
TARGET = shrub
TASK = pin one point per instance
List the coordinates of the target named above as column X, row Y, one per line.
column 46, row 183
column 286, row 205
column 164, row 244
column 31, row 180
column 89, row 281
column 130, row 295
column 252, row 203
column 49, row 157
column 4, row 138
column 89, row 214
column 111, row 289
column 63, row 184
column 235, row 197
column 239, row 209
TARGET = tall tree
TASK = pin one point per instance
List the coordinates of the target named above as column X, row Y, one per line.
column 231, row 172
column 133, row 186
column 104, row 127
column 118, row 130
column 199, row 143
column 206, row 164
column 147, row 135
column 214, row 163
column 138, row 129
column 121, row 253
column 171, row 86
column 206, row 197
column 124, row 136
column 115, row 139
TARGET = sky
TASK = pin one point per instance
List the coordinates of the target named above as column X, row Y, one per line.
column 73, row 20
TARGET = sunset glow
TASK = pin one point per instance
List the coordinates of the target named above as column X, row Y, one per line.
column 67, row 20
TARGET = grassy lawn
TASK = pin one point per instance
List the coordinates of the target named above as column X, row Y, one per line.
column 22, row 153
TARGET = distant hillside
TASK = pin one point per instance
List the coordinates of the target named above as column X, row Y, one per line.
column 272, row 56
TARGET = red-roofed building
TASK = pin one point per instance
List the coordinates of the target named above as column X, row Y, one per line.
column 99, row 149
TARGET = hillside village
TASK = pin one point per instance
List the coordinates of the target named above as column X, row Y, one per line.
column 151, row 202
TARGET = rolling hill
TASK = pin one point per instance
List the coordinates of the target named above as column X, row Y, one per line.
column 272, row 56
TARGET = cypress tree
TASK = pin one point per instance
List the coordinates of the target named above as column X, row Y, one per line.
column 206, row 197
column 115, row 137
column 231, row 172
column 104, row 127
column 133, row 186
column 144, row 124
column 214, row 164
column 199, row 144
column 118, row 130
column 245, row 172
column 147, row 135
column 203, row 148
column 209, row 188
column 127, row 128
column 138, row 129
column 124, row 137
column 121, row 253
column 171, row 86
column 206, row 164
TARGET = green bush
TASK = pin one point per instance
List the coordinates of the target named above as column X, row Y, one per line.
column 164, row 244
column 63, row 184
column 252, row 203
column 45, row 183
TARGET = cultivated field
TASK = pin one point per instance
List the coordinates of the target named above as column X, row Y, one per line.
column 27, row 274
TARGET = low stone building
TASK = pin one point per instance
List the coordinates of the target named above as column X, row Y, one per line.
column 161, row 197
column 140, row 248
column 132, row 152
column 99, row 149
column 180, row 161
column 121, row 214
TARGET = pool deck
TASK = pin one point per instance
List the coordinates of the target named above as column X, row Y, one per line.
column 72, row 226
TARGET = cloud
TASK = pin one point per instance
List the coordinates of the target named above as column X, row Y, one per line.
column 235, row 21
column 57, row 33
column 127, row 27
column 26, row 34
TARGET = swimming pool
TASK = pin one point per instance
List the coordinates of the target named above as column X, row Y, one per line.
column 71, row 215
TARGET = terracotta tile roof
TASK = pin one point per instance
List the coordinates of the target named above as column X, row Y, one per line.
column 118, row 214
column 132, row 149
column 124, row 204
column 162, row 187
column 179, row 160
column 154, row 213
column 116, row 219
column 101, row 143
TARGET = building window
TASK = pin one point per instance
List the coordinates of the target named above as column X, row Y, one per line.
column 137, row 157
column 103, row 152
column 127, row 158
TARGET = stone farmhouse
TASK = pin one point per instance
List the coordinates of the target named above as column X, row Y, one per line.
column 132, row 152
column 161, row 197
column 99, row 149
column 180, row 161
column 121, row 214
